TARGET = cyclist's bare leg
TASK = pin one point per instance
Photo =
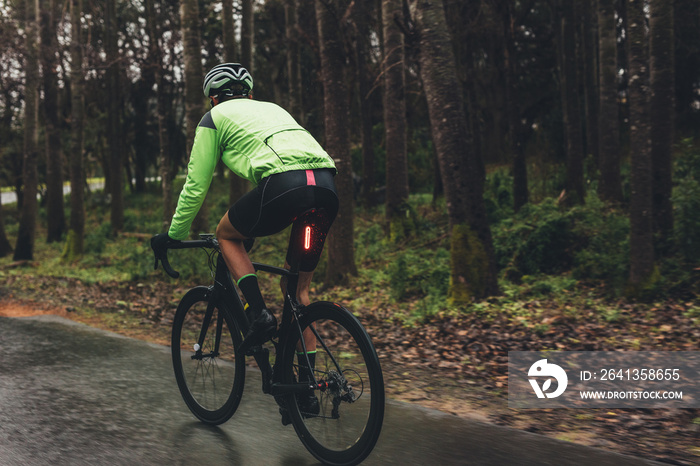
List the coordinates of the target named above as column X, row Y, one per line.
column 303, row 296
column 231, row 245
column 263, row 322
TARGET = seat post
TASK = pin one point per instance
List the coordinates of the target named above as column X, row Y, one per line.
column 293, row 283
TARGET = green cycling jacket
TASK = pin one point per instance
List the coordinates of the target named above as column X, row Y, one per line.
column 255, row 140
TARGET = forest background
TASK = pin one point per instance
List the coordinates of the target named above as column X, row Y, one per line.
column 514, row 175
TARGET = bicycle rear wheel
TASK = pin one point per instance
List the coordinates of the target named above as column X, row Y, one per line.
column 351, row 399
column 209, row 376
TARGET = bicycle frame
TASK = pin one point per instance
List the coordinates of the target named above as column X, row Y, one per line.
column 291, row 312
column 223, row 292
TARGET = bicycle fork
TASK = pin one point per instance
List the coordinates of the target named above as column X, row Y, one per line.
column 211, row 304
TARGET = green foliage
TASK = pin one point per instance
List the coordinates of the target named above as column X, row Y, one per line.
column 416, row 274
column 603, row 235
column 421, row 160
column 369, row 243
column 546, row 178
column 591, row 241
column 545, row 285
column 547, row 248
column 498, row 195
column 399, row 277
column 686, row 201
column 97, row 238
column 535, row 240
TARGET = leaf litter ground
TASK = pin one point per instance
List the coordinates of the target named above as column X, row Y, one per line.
column 453, row 363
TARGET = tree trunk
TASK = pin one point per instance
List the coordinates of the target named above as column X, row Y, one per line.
column 473, row 271
column 363, row 14
column 56, row 219
column 520, row 192
column 194, row 108
column 395, row 120
column 24, row 248
column 610, row 187
column 662, row 113
column 571, row 106
column 641, row 238
column 247, row 34
column 293, row 60
column 228, row 31
column 623, row 78
column 589, row 44
column 114, row 121
column 340, row 244
column 75, row 240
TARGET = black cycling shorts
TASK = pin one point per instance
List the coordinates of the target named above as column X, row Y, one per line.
column 305, row 198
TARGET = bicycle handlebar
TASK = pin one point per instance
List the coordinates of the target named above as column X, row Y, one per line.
column 208, row 241
column 205, row 242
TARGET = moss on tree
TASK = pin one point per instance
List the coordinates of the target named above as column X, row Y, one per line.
column 468, row 260
column 73, row 248
column 646, row 289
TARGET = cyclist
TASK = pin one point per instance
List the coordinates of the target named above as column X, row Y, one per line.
column 261, row 142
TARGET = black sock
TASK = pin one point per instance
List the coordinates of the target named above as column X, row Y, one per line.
column 251, row 291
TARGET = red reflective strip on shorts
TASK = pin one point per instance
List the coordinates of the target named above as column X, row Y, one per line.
column 310, row 178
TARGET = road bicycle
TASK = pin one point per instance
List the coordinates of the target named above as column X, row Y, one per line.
column 208, row 329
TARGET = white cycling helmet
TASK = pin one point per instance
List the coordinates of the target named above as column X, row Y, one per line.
column 227, row 76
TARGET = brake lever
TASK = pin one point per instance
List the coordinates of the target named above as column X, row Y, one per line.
column 166, row 266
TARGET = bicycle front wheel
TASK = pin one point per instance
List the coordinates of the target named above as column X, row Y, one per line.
column 208, row 374
column 345, row 425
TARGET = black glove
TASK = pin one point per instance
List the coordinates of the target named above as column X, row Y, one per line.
column 160, row 244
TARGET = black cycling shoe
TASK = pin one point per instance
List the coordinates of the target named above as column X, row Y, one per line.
column 261, row 330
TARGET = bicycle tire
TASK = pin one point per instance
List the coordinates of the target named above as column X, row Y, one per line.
column 345, row 436
column 211, row 385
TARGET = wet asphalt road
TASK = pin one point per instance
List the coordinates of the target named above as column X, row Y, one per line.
column 74, row 395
